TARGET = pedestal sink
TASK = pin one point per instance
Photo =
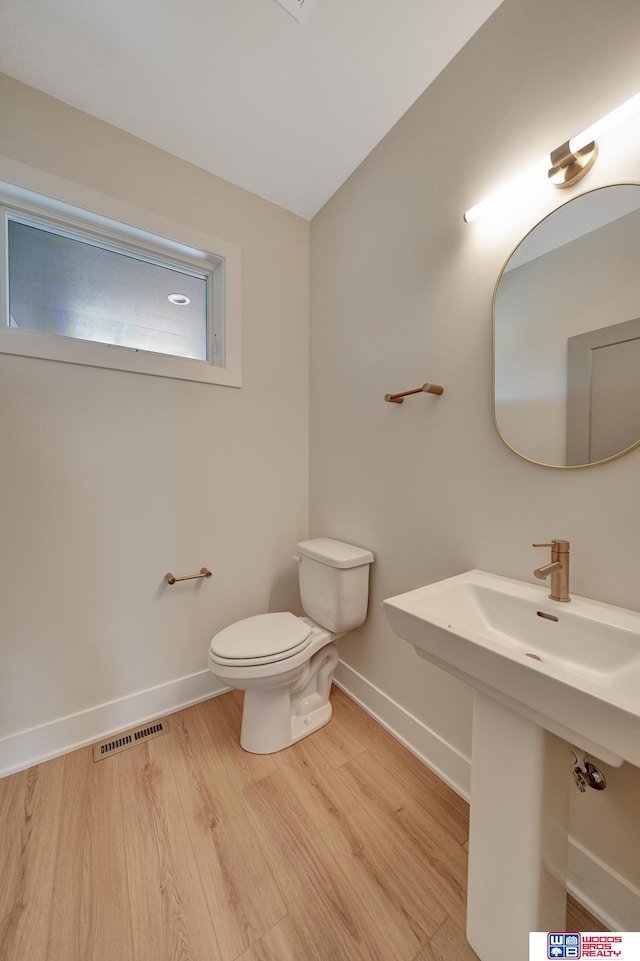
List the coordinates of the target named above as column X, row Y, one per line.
column 543, row 674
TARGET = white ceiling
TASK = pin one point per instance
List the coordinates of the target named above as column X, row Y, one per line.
column 284, row 109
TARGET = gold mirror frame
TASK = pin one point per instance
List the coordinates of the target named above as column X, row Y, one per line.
column 524, row 456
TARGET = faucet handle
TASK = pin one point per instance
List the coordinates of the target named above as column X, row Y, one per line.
column 558, row 545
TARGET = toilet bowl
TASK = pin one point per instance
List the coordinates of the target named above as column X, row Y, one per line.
column 286, row 693
column 285, row 663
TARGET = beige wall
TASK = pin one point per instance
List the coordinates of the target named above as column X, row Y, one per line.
column 401, row 294
column 110, row 479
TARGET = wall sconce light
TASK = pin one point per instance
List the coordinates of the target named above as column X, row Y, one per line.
column 566, row 165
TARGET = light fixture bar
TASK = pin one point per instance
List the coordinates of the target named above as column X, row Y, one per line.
column 565, row 165
column 536, row 169
column 600, row 127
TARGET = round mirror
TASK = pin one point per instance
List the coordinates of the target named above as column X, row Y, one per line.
column 566, row 333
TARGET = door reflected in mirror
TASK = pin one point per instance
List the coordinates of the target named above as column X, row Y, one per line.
column 566, row 324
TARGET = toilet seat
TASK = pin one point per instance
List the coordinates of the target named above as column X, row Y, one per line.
column 262, row 639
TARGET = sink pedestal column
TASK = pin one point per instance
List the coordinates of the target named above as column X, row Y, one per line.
column 518, row 832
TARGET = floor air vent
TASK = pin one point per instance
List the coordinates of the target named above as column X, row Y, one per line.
column 129, row 739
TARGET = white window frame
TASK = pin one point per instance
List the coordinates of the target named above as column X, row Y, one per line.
column 219, row 260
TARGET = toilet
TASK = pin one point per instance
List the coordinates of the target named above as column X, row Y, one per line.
column 284, row 663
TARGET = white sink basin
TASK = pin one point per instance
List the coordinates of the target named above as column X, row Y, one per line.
column 574, row 668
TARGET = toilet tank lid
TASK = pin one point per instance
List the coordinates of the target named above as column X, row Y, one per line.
column 335, row 553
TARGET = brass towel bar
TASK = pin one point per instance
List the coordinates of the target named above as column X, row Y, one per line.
column 204, row 572
column 426, row 388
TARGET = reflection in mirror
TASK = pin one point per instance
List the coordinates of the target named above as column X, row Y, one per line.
column 567, row 333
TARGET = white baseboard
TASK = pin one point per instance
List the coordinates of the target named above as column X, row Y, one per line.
column 607, row 895
column 613, row 899
column 37, row 744
column 441, row 757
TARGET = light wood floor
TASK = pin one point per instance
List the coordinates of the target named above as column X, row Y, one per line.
column 185, row 848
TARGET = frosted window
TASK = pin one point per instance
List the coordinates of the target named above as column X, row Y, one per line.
column 63, row 284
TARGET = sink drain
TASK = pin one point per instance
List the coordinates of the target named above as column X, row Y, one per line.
column 534, row 656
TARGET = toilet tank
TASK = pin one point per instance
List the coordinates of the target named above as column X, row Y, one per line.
column 334, row 583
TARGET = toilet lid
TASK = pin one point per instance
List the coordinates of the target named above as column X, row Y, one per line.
column 262, row 638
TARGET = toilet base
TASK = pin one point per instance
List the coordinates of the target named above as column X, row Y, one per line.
column 301, row 726
column 278, row 716
column 282, row 730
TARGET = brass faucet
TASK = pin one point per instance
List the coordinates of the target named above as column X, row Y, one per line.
column 558, row 568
